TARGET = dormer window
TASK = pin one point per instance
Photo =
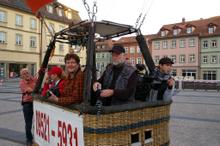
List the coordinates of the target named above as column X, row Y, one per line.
column 175, row 32
column 211, row 28
column 163, row 33
column 69, row 15
column 189, row 30
column 50, row 8
column 60, row 12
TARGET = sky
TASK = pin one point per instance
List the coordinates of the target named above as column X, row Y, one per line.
column 159, row 12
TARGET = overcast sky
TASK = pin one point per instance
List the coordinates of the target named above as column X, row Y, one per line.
column 160, row 12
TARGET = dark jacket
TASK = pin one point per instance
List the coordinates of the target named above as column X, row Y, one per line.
column 122, row 78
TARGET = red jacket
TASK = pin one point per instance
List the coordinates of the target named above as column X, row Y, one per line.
column 47, row 86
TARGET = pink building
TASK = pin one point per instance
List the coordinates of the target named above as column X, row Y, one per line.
column 180, row 42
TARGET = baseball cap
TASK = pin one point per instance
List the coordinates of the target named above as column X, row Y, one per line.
column 118, row 49
column 55, row 70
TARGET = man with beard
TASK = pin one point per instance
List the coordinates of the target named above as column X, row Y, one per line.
column 73, row 85
column 118, row 82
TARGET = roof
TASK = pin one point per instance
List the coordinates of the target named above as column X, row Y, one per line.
column 132, row 39
column 21, row 5
column 200, row 28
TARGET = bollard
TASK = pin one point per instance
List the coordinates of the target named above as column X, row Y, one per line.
column 180, row 84
column 1, row 82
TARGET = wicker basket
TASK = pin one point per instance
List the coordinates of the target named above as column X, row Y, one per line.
column 134, row 124
column 145, row 126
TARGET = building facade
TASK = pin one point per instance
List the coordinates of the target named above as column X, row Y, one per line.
column 192, row 45
column 24, row 38
column 210, row 50
column 103, row 56
column 180, row 42
column 132, row 50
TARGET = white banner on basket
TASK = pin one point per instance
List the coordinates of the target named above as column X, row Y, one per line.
column 55, row 126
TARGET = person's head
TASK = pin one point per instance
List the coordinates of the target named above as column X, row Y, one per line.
column 165, row 65
column 24, row 73
column 55, row 73
column 118, row 54
column 72, row 62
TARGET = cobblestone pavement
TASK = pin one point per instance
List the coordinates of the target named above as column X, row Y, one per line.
column 195, row 117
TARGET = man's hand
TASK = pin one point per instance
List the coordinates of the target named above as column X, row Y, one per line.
column 53, row 98
column 97, row 86
column 107, row 93
column 29, row 89
column 170, row 82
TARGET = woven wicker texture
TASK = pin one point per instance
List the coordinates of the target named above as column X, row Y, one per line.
column 116, row 129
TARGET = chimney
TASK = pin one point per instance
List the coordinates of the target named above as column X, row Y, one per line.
column 183, row 20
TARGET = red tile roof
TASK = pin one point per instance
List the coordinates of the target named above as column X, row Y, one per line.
column 21, row 5
column 201, row 28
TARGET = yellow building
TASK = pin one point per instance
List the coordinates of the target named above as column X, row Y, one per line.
column 24, row 38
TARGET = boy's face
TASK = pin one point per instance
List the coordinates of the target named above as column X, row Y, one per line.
column 165, row 68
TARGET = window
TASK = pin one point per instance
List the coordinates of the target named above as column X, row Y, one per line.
column 148, row 136
column 51, row 28
column 19, row 20
column 192, row 58
column 165, row 44
column 60, row 12
column 173, row 44
column 61, row 48
column 182, row 58
column 173, row 58
column 103, row 55
column 33, row 23
column 174, row 72
column 3, row 16
column 213, row 59
column 33, row 41
column 126, row 50
column 50, row 8
column 98, row 55
column 163, row 33
column 205, row 59
column 209, row 75
column 192, row 42
column 2, row 37
column 18, row 39
column 103, row 46
column 156, row 59
column 135, row 139
column 98, row 47
column 132, row 61
column 132, row 50
column 211, row 29
column 189, row 30
column 138, row 50
column 214, row 43
column 175, row 32
column 69, row 15
column 189, row 72
column 205, row 44
column 157, row 45
column 182, row 43
column 139, row 60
